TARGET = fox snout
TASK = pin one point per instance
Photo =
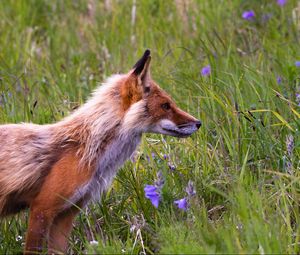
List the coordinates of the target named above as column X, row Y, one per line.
column 193, row 126
column 168, row 127
column 197, row 123
column 190, row 127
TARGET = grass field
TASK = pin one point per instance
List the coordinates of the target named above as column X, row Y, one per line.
column 244, row 161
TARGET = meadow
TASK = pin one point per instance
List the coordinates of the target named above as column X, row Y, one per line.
column 242, row 167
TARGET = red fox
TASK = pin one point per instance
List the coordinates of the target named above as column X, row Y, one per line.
column 57, row 169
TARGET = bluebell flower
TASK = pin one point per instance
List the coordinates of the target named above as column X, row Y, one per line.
column 297, row 63
column 290, row 145
column 298, row 98
column 190, row 189
column 281, row 2
column 160, row 181
column 153, row 155
column 152, row 194
column 171, row 167
column 182, row 204
column 248, row 15
column 279, row 79
column 266, row 17
column 149, row 189
column 205, row 71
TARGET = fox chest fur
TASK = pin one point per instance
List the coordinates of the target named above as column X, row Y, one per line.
column 107, row 165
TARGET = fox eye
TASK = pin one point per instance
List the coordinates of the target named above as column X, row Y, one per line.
column 166, row 106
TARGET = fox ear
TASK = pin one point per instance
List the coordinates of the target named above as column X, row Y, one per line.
column 142, row 70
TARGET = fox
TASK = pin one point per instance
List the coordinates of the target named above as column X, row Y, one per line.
column 55, row 170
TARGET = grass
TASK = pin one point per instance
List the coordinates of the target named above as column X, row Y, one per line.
column 53, row 53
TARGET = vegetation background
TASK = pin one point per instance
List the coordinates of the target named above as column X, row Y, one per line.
column 244, row 162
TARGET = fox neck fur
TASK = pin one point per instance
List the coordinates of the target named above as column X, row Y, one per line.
column 110, row 137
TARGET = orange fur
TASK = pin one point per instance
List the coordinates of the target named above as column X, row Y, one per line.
column 130, row 92
column 61, row 183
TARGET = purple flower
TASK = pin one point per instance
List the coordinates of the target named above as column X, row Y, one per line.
column 166, row 156
column 153, row 155
column 149, row 189
column 171, row 167
column 298, row 98
column 190, row 189
column 152, row 194
column 290, row 145
column 279, row 79
column 160, row 181
column 206, row 70
column 182, row 204
column 281, row 2
column 248, row 15
column 266, row 17
column 297, row 63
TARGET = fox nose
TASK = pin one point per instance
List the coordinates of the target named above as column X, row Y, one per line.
column 198, row 123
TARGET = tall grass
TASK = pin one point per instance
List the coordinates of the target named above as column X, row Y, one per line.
column 54, row 53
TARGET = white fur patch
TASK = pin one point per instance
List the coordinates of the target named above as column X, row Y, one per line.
column 108, row 164
column 165, row 123
column 114, row 157
column 135, row 118
column 161, row 125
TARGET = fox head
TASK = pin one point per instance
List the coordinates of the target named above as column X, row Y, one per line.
column 151, row 109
